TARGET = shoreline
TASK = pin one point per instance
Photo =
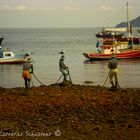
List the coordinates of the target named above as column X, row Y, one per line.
column 86, row 84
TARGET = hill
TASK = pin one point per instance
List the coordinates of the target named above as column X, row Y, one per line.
column 135, row 23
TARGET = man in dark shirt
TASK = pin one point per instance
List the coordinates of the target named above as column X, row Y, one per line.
column 112, row 65
column 63, row 68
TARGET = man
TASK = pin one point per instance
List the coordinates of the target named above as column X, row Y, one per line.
column 63, row 68
column 1, row 50
column 98, row 46
column 26, row 74
column 112, row 65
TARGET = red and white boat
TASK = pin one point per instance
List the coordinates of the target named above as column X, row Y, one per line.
column 120, row 49
column 124, row 55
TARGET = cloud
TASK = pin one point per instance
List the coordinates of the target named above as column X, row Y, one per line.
column 13, row 8
column 105, row 8
column 20, row 7
column 47, row 9
column 69, row 8
column 42, row 9
column 4, row 7
column 25, row 8
column 32, row 9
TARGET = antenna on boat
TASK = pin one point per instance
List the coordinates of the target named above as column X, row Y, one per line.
column 128, row 22
column 129, row 27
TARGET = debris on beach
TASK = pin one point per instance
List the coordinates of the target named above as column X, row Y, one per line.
column 72, row 111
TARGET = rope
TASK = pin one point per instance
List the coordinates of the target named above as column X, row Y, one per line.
column 106, row 79
column 32, row 82
column 119, row 85
column 39, row 80
column 69, row 76
column 62, row 75
column 58, row 79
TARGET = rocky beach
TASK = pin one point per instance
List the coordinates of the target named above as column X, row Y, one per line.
column 70, row 112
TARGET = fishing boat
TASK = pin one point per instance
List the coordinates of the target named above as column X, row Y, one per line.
column 111, row 32
column 9, row 57
column 121, row 49
column 119, row 34
column 123, row 55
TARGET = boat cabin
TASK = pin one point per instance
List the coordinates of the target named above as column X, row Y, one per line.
column 5, row 53
column 8, row 54
column 110, row 46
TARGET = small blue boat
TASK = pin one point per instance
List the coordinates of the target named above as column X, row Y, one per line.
column 9, row 57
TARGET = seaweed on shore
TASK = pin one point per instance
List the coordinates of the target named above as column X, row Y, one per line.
column 77, row 111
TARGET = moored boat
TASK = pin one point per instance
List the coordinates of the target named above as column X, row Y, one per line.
column 123, row 55
column 119, row 34
column 121, row 49
column 111, row 32
column 9, row 57
column 131, row 40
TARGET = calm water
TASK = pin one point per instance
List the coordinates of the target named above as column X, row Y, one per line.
column 45, row 45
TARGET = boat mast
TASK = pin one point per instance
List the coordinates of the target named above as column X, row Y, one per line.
column 129, row 27
column 128, row 22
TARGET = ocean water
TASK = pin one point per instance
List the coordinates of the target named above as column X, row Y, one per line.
column 45, row 44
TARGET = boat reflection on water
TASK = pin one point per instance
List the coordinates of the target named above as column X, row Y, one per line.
column 129, row 61
column 9, row 67
column 94, row 62
column 11, row 75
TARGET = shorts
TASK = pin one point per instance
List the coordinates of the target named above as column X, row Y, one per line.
column 113, row 73
column 26, row 74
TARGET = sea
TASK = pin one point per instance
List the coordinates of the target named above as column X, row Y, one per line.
column 45, row 45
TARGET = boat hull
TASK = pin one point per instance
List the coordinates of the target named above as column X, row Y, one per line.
column 13, row 60
column 123, row 55
column 108, row 36
column 133, row 40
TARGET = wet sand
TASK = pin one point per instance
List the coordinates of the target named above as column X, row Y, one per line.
column 70, row 112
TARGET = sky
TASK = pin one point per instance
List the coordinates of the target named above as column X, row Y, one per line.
column 65, row 13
